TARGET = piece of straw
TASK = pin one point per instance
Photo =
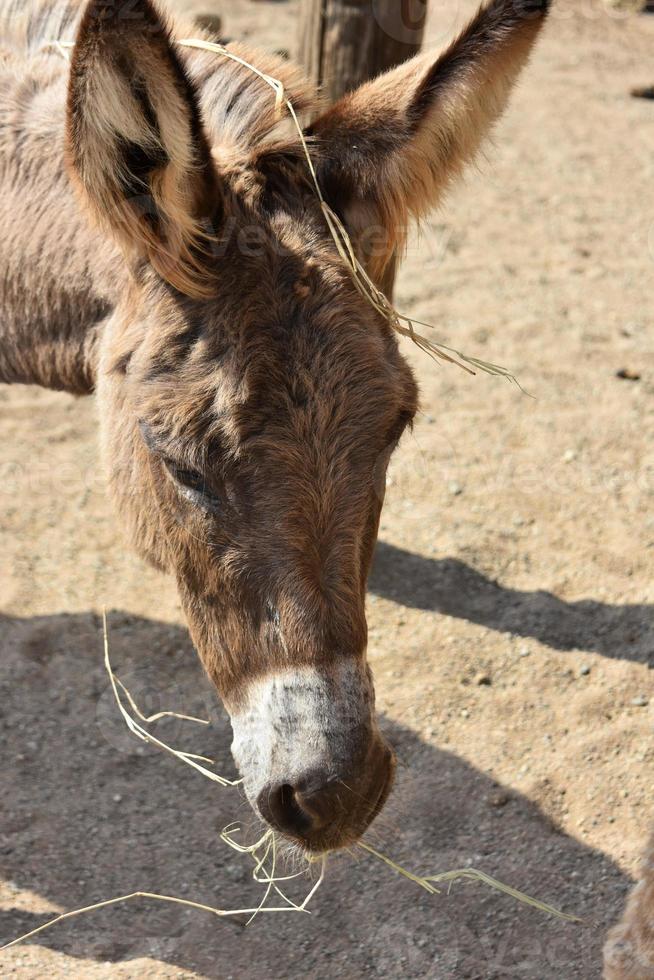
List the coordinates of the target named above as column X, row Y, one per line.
column 425, row 881
column 187, row 757
column 222, row 913
column 62, row 47
column 149, row 719
column 260, row 874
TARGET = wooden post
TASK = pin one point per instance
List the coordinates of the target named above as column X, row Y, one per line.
column 345, row 42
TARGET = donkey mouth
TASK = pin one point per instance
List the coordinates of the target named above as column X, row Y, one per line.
column 326, row 814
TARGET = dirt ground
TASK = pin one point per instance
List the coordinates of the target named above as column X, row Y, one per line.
column 511, row 603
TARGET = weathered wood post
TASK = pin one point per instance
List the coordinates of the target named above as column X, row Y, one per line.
column 345, row 42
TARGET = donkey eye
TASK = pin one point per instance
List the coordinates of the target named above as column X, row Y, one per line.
column 194, row 482
column 190, row 479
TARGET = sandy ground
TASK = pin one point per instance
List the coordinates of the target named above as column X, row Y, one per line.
column 512, row 634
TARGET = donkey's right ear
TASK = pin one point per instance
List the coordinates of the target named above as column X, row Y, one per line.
column 135, row 142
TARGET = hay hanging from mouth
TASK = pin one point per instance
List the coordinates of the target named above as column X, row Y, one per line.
column 268, row 839
column 263, row 852
column 426, row 882
column 136, row 729
column 260, row 852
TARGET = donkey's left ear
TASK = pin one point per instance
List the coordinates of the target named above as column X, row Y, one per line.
column 135, row 141
column 389, row 149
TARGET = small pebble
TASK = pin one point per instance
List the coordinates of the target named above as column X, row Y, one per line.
column 455, row 489
column 640, row 701
column 483, row 680
column 628, row 374
column 524, row 651
column 585, row 670
column 569, row 456
column 498, row 799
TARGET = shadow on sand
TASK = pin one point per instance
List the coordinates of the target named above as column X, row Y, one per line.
column 451, row 587
column 88, row 813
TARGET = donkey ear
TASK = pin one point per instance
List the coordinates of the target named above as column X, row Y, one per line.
column 389, row 149
column 135, row 141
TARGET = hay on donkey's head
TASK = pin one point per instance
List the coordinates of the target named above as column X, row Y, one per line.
column 401, row 324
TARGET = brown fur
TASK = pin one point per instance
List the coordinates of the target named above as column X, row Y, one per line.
column 629, row 949
column 249, row 397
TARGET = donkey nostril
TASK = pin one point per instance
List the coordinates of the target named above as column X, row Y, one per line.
column 280, row 806
column 291, row 810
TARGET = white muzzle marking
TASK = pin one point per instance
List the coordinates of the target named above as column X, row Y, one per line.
column 302, row 719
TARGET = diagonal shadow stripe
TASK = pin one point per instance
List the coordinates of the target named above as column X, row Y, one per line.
column 451, row 587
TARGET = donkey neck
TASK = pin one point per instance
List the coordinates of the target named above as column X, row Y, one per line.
column 60, row 278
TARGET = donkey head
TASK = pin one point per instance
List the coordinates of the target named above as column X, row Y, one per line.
column 250, row 396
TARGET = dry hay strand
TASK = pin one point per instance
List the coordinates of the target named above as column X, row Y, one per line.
column 195, row 761
column 426, row 882
column 260, row 874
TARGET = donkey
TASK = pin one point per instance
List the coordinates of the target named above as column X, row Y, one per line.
column 629, row 947
column 163, row 247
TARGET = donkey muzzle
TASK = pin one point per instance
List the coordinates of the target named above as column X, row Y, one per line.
column 314, row 765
